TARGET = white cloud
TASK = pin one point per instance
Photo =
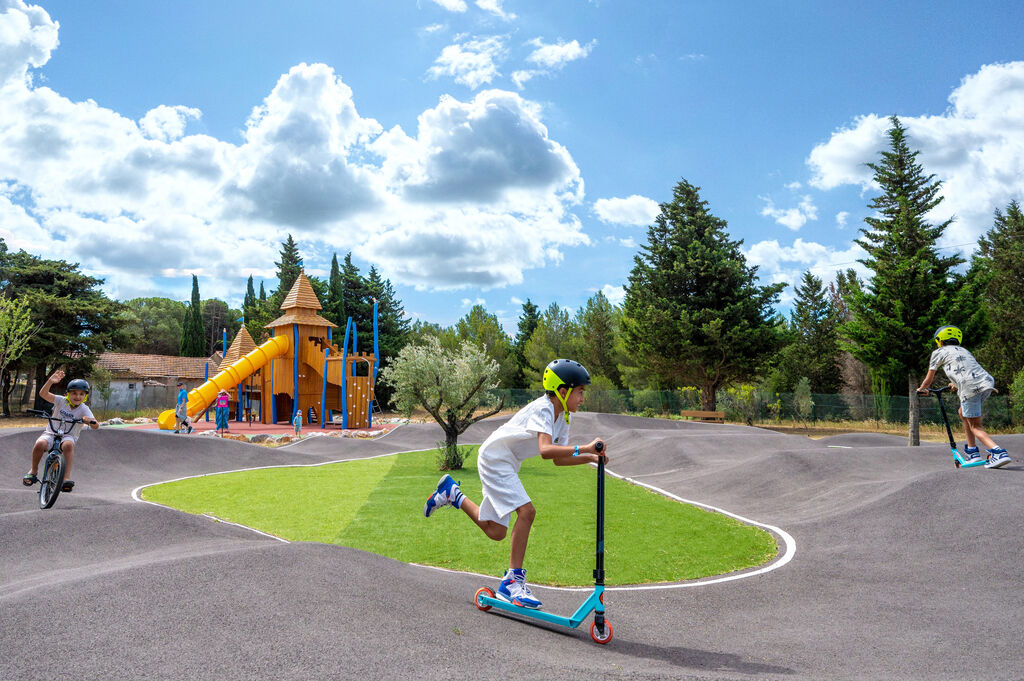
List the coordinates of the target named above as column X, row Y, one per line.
column 786, row 264
column 614, row 294
column 634, row 210
column 167, row 123
column 469, row 302
column 471, row 63
column 976, row 148
column 557, row 55
column 476, row 197
column 495, row 8
column 550, row 58
column 452, row 5
column 793, row 186
column 793, row 218
column 841, row 218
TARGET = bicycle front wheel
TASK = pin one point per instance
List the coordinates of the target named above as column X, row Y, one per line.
column 53, row 478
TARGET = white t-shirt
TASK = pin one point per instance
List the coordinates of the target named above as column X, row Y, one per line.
column 516, row 439
column 962, row 370
column 61, row 408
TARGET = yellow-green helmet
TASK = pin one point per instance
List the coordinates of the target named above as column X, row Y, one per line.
column 564, row 372
column 944, row 333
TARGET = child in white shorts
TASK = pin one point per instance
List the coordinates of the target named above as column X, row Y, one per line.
column 541, row 427
column 70, row 406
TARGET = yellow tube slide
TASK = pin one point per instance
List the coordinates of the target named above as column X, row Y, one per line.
column 229, row 377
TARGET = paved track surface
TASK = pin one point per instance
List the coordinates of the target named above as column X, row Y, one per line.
column 905, row 568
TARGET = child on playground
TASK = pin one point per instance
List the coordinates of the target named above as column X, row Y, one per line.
column 222, row 405
column 297, row 422
column 973, row 384
column 69, row 406
column 541, row 427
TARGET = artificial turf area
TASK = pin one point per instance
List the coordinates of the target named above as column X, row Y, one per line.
column 376, row 505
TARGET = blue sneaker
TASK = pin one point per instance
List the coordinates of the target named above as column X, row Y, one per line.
column 447, row 492
column 971, row 453
column 514, row 590
column 997, row 458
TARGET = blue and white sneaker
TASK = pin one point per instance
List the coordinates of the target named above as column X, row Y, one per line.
column 514, row 590
column 997, row 458
column 971, row 453
column 447, row 492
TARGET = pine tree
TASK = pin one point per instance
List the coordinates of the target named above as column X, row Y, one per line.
column 598, row 323
column 909, row 294
column 334, row 310
column 288, row 270
column 193, row 337
column 527, row 323
column 355, row 296
column 997, row 273
column 816, row 324
column 693, row 313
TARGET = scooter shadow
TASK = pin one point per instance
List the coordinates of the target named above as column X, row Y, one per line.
column 687, row 658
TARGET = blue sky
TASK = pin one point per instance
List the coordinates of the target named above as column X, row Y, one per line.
column 484, row 151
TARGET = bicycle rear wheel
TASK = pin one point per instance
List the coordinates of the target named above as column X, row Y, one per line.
column 53, row 478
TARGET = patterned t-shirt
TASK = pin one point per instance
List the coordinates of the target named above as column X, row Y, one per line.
column 61, row 409
column 962, row 370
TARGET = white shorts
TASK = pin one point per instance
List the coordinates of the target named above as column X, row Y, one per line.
column 47, row 437
column 502, row 495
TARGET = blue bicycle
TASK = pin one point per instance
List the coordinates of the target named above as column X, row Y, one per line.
column 52, row 479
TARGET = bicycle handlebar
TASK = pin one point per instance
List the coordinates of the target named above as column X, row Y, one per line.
column 51, row 418
column 937, row 391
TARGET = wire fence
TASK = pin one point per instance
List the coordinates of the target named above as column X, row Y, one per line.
column 750, row 405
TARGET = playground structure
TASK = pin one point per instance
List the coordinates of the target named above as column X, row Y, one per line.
column 299, row 370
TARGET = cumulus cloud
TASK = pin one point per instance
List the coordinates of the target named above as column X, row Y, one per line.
column 166, row 123
column 477, row 196
column 635, row 210
column 793, row 218
column 976, row 148
column 777, row 263
column 841, row 218
column 471, row 63
column 614, row 294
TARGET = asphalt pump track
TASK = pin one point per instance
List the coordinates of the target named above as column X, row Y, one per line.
column 902, row 568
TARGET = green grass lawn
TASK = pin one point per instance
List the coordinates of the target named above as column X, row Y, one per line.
column 376, row 505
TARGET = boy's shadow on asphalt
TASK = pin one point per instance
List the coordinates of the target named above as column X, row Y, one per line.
column 688, row 658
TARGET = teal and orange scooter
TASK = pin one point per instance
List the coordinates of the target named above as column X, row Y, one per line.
column 601, row 629
column 958, row 459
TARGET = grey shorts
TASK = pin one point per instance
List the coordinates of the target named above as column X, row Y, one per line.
column 970, row 407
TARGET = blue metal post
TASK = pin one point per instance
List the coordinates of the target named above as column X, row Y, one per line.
column 295, row 367
column 344, row 359
column 376, row 361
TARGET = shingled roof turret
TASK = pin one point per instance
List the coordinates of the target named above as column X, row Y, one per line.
column 300, row 306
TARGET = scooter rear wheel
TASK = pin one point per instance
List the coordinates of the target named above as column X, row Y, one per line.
column 486, row 591
column 956, row 463
column 599, row 637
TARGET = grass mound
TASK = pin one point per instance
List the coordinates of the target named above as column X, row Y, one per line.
column 376, row 505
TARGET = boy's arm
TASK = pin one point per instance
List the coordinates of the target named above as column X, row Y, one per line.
column 927, row 381
column 564, row 455
column 44, row 391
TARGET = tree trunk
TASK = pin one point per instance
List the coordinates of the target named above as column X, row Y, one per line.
column 7, row 387
column 913, row 413
column 26, row 395
column 707, row 397
column 39, row 402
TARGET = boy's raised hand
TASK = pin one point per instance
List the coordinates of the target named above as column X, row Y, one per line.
column 58, row 376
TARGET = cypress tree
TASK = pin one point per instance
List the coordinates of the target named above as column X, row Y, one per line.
column 335, row 308
column 528, row 320
column 693, row 313
column 193, row 336
column 909, row 294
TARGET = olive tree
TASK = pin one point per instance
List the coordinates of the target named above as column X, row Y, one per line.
column 453, row 386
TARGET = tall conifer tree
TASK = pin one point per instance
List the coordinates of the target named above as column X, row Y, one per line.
column 999, row 271
column 193, row 336
column 911, row 290
column 694, row 314
column 528, row 320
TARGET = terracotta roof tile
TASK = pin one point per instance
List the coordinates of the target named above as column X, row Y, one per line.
column 128, row 365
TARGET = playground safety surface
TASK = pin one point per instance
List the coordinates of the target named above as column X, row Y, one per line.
column 905, row 568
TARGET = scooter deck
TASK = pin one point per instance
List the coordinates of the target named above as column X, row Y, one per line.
column 592, row 604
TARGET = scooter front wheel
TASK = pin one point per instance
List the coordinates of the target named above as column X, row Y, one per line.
column 601, row 637
column 483, row 591
column 956, row 463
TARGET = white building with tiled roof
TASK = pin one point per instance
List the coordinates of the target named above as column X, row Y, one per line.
column 149, row 381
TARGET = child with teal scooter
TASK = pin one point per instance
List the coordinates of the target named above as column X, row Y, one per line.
column 541, row 427
column 973, row 384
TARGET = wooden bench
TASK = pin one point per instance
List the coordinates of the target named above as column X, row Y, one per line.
column 711, row 416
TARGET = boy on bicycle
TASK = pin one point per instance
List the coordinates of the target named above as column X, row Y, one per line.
column 69, row 406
